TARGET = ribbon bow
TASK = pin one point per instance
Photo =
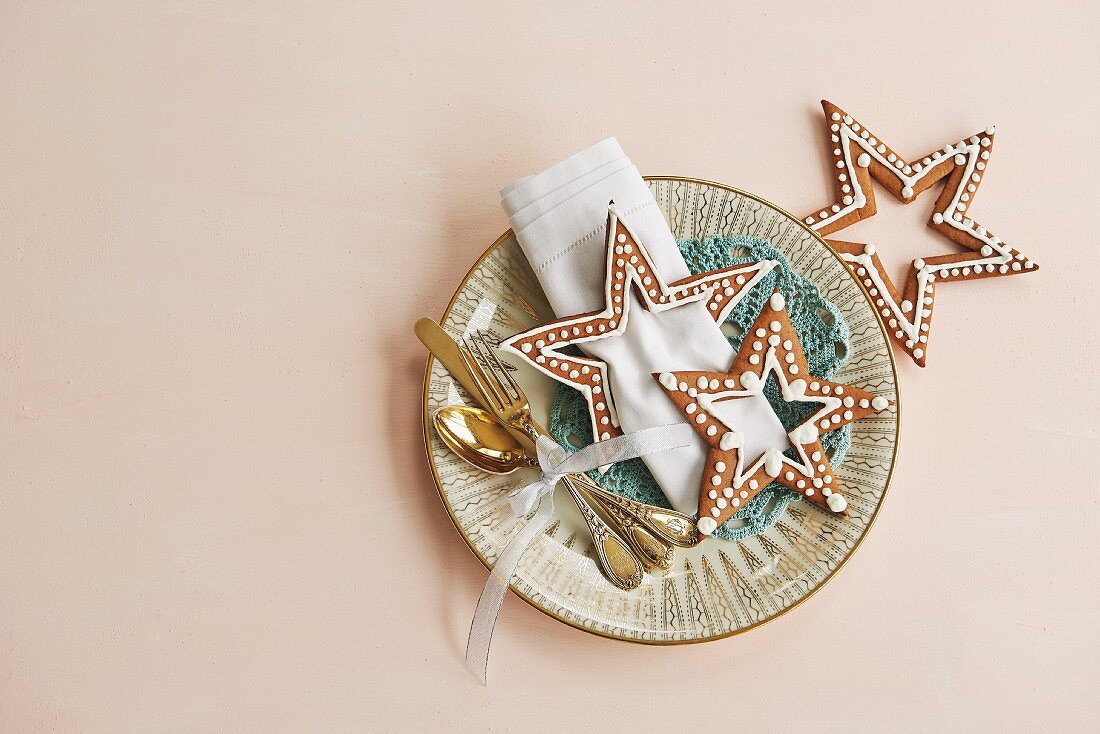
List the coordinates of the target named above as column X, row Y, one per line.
column 554, row 462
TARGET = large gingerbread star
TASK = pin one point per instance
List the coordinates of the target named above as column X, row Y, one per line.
column 719, row 406
column 628, row 264
column 860, row 156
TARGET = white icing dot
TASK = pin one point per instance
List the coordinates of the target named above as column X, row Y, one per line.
column 837, row 503
column 863, row 161
column 960, row 159
column 727, row 492
column 778, row 303
column 775, row 326
column 716, row 480
column 713, row 494
column 711, row 430
column 690, row 408
column 526, row 348
column 721, row 503
column 879, row 403
column 701, row 418
column 715, row 512
column 907, row 191
column 706, row 525
column 621, row 237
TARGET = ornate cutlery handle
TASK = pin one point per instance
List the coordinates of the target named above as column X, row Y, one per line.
column 620, row 564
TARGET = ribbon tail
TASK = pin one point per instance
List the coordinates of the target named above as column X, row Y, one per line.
column 496, row 587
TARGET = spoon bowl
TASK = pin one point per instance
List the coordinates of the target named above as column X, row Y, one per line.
column 478, row 438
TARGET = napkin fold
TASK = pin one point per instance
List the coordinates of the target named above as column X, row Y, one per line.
column 560, row 220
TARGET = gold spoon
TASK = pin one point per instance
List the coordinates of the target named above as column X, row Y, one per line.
column 476, row 436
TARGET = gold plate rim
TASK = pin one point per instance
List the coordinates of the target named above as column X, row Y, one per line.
column 426, row 435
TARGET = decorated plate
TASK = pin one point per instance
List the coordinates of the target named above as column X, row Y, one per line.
column 720, row 587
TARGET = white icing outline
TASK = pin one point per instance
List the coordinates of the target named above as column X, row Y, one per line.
column 774, row 366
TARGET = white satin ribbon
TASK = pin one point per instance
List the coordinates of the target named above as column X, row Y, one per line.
column 555, row 462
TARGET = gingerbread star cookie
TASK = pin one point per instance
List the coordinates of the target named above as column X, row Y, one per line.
column 629, row 265
column 724, row 408
column 860, row 156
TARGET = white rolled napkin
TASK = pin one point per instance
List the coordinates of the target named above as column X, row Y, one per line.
column 560, row 220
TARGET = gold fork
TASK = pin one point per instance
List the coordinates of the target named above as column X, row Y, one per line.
column 504, row 400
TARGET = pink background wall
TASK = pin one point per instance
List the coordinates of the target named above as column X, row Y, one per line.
column 219, row 222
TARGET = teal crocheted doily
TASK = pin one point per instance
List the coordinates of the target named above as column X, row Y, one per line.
column 825, row 340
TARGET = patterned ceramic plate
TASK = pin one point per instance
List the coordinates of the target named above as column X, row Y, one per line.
column 720, row 587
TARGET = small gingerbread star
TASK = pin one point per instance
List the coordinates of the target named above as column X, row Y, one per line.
column 859, row 157
column 628, row 265
column 724, row 408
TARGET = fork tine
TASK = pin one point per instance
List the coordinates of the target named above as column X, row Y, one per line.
column 478, row 376
column 501, row 370
column 490, row 375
